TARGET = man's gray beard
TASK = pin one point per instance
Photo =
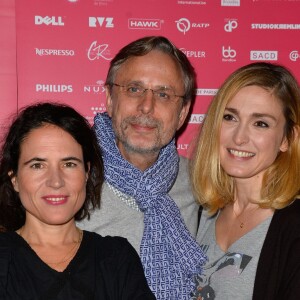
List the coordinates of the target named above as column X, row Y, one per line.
column 134, row 149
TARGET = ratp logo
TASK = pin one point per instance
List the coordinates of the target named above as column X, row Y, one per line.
column 183, row 25
column 106, row 22
column 54, row 21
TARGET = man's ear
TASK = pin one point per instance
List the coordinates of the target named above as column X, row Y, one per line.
column 108, row 100
column 14, row 181
column 183, row 113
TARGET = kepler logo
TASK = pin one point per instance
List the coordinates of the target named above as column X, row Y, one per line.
column 184, row 25
column 197, row 118
column 53, row 88
column 54, row 52
column 228, row 54
column 101, row 22
column 153, row 24
column 54, row 21
column 193, row 53
column 230, row 25
column 294, row 55
column 263, row 55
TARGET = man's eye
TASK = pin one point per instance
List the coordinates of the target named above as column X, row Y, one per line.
column 163, row 95
column 134, row 89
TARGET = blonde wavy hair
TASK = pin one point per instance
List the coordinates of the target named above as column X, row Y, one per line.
column 281, row 183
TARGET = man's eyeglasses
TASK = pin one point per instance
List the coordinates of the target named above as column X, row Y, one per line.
column 163, row 94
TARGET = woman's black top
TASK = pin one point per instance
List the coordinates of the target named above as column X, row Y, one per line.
column 103, row 268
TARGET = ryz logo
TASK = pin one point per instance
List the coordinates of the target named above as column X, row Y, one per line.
column 101, row 22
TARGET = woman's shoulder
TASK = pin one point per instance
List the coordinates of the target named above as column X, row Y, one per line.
column 8, row 240
column 108, row 244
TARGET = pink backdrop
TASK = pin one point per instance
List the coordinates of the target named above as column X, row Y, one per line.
column 64, row 46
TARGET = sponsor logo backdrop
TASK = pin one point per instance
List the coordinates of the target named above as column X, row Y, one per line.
column 64, row 46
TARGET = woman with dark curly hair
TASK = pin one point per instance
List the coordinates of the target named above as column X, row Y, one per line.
column 51, row 174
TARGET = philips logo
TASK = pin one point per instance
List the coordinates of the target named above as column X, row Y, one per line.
column 154, row 24
column 263, row 55
column 54, row 21
column 54, row 52
column 53, row 88
column 101, row 22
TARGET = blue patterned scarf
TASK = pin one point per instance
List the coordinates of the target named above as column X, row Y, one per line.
column 169, row 254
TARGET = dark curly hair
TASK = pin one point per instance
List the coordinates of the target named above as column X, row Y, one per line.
column 12, row 213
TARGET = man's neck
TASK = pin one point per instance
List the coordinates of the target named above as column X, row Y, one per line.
column 141, row 161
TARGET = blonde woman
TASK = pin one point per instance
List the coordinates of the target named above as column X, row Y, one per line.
column 246, row 175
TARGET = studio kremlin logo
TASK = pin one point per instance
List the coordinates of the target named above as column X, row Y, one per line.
column 184, row 25
column 54, row 21
column 294, row 55
column 152, row 24
column 228, row 54
column 53, row 88
column 263, row 55
column 276, row 26
column 230, row 25
column 96, row 51
column 106, row 22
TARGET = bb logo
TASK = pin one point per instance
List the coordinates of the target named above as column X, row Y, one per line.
column 183, row 25
column 101, row 22
column 54, row 21
column 294, row 55
column 228, row 53
column 230, row 25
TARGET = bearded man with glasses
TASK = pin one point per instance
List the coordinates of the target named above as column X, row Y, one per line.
column 146, row 196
